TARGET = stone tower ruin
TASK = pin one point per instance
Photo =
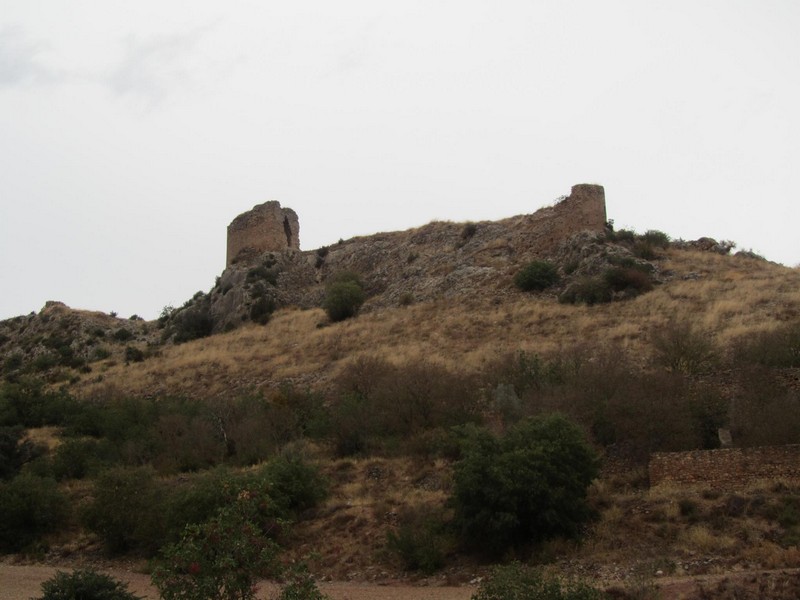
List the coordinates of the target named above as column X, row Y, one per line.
column 265, row 228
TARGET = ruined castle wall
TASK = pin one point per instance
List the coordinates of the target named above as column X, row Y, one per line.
column 584, row 209
column 265, row 228
column 729, row 467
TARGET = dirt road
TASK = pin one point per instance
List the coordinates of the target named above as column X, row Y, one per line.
column 22, row 582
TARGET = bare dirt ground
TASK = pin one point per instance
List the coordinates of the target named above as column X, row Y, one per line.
column 22, row 582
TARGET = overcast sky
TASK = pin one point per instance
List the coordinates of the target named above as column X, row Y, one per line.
column 132, row 133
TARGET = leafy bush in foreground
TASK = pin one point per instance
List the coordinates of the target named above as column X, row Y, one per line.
column 220, row 559
column 525, row 487
column 85, row 585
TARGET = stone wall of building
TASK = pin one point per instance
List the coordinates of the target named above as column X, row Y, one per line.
column 583, row 210
column 265, row 228
column 728, row 467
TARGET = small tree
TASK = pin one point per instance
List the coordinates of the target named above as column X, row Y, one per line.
column 536, row 276
column 220, row 559
column 525, row 487
column 344, row 296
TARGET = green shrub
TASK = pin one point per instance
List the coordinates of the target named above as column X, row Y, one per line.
column 133, row 354
column 536, row 276
column 300, row 585
column 526, row 487
column 122, row 335
column 261, row 310
column 518, row 582
column 220, row 559
column 656, row 238
column 192, row 322
column 343, row 299
column 31, row 507
column 294, row 485
column 85, row 585
column 76, row 458
column 419, row 541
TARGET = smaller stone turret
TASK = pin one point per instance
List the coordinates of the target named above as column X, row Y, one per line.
column 265, row 228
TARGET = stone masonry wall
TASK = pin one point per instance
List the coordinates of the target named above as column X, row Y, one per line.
column 265, row 228
column 728, row 467
column 584, row 209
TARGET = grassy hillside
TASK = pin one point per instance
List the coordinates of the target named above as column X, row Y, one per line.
column 377, row 407
column 725, row 298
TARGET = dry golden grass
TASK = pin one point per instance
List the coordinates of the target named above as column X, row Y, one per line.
column 724, row 297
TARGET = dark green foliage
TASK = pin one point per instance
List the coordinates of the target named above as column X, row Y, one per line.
column 192, row 322
column 656, row 238
column 294, row 485
column 77, row 458
column 15, row 451
column 266, row 272
column 133, row 354
column 122, row 335
column 344, row 295
column 536, row 276
column 127, row 510
column 31, row 507
column 261, row 310
column 28, row 403
column 526, row 487
column 44, row 362
column 85, row 585
column 518, row 582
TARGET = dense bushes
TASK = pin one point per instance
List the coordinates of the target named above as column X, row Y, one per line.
column 132, row 510
column 127, row 511
column 378, row 403
column 525, row 487
column 31, row 507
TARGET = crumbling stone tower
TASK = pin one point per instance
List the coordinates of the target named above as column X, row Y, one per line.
column 265, row 228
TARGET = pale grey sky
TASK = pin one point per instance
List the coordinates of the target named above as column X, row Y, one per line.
column 132, row 133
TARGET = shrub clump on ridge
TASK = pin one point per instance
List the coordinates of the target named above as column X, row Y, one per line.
column 536, row 276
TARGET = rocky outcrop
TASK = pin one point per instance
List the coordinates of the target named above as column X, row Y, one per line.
column 439, row 260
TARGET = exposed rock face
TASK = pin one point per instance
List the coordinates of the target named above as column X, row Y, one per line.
column 265, row 228
column 438, row 260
